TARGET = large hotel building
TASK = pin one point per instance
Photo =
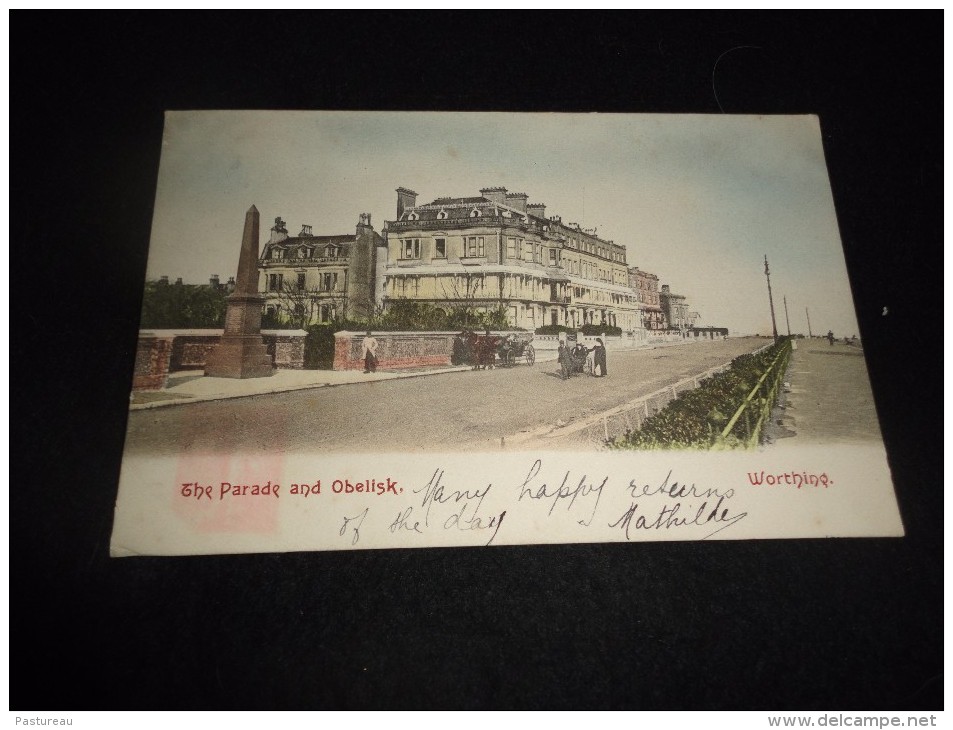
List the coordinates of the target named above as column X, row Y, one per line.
column 499, row 251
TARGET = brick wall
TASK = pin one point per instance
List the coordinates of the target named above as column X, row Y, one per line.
column 160, row 352
column 395, row 350
column 152, row 362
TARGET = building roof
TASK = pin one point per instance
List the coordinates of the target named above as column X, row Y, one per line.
column 315, row 241
column 459, row 201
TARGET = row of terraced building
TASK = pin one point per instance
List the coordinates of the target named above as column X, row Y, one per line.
column 488, row 253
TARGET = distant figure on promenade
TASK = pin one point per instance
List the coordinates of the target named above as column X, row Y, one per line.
column 830, row 338
column 486, row 351
column 599, row 358
column 369, row 346
column 578, row 353
column 470, row 348
column 457, row 357
column 565, row 360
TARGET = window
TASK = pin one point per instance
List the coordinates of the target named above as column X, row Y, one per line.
column 274, row 282
column 329, row 282
column 527, row 251
column 441, row 215
column 440, row 248
column 277, row 254
column 512, row 250
column 552, row 257
column 475, row 246
column 300, row 281
column 412, row 248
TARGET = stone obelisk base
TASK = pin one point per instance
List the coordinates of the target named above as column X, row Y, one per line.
column 240, row 354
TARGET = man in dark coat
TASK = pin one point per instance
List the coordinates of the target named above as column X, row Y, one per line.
column 565, row 360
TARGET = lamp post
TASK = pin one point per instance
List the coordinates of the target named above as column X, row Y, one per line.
column 786, row 319
column 774, row 326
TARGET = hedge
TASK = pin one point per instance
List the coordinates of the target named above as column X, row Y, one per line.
column 695, row 419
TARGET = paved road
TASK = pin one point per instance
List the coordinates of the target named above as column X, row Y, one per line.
column 830, row 400
column 455, row 411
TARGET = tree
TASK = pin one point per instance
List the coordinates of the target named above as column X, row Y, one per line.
column 182, row 306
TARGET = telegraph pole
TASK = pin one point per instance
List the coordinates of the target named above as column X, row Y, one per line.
column 809, row 333
column 767, row 274
column 786, row 314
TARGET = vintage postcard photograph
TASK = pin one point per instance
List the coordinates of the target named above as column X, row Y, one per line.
column 378, row 330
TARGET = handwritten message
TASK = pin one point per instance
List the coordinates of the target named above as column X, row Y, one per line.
column 596, row 506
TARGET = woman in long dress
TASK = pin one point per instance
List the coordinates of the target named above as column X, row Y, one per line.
column 599, row 359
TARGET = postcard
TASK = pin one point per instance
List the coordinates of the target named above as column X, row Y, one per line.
column 389, row 330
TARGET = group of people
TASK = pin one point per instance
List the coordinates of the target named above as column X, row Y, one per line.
column 572, row 360
column 847, row 340
column 479, row 351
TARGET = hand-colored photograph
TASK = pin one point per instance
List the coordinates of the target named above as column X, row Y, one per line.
column 432, row 282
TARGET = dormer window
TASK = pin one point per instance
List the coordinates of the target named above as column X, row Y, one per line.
column 413, row 216
column 442, row 215
column 277, row 254
column 474, row 213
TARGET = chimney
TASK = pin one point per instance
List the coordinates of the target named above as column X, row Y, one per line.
column 230, row 286
column 278, row 231
column 405, row 199
column 364, row 223
column 494, row 195
column 213, row 281
column 164, row 279
column 178, row 282
column 517, row 200
column 537, row 209
column 305, row 231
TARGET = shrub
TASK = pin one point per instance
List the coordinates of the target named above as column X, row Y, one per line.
column 553, row 329
column 597, row 330
column 697, row 417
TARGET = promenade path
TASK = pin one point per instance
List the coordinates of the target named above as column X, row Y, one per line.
column 448, row 411
column 829, row 399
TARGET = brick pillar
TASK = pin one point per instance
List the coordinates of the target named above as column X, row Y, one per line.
column 153, row 355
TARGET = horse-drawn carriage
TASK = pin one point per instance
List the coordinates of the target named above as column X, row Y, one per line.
column 516, row 347
column 486, row 350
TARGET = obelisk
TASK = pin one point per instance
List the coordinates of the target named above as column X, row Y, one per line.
column 241, row 352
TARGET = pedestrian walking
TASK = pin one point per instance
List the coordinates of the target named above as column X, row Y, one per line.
column 487, row 351
column 457, row 355
column 369, row 345
column 599, row 359
column 565, row 360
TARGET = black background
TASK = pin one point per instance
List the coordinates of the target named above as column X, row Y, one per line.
column 797, row 624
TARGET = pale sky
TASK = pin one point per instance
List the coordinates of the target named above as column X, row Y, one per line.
column 696, row 199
